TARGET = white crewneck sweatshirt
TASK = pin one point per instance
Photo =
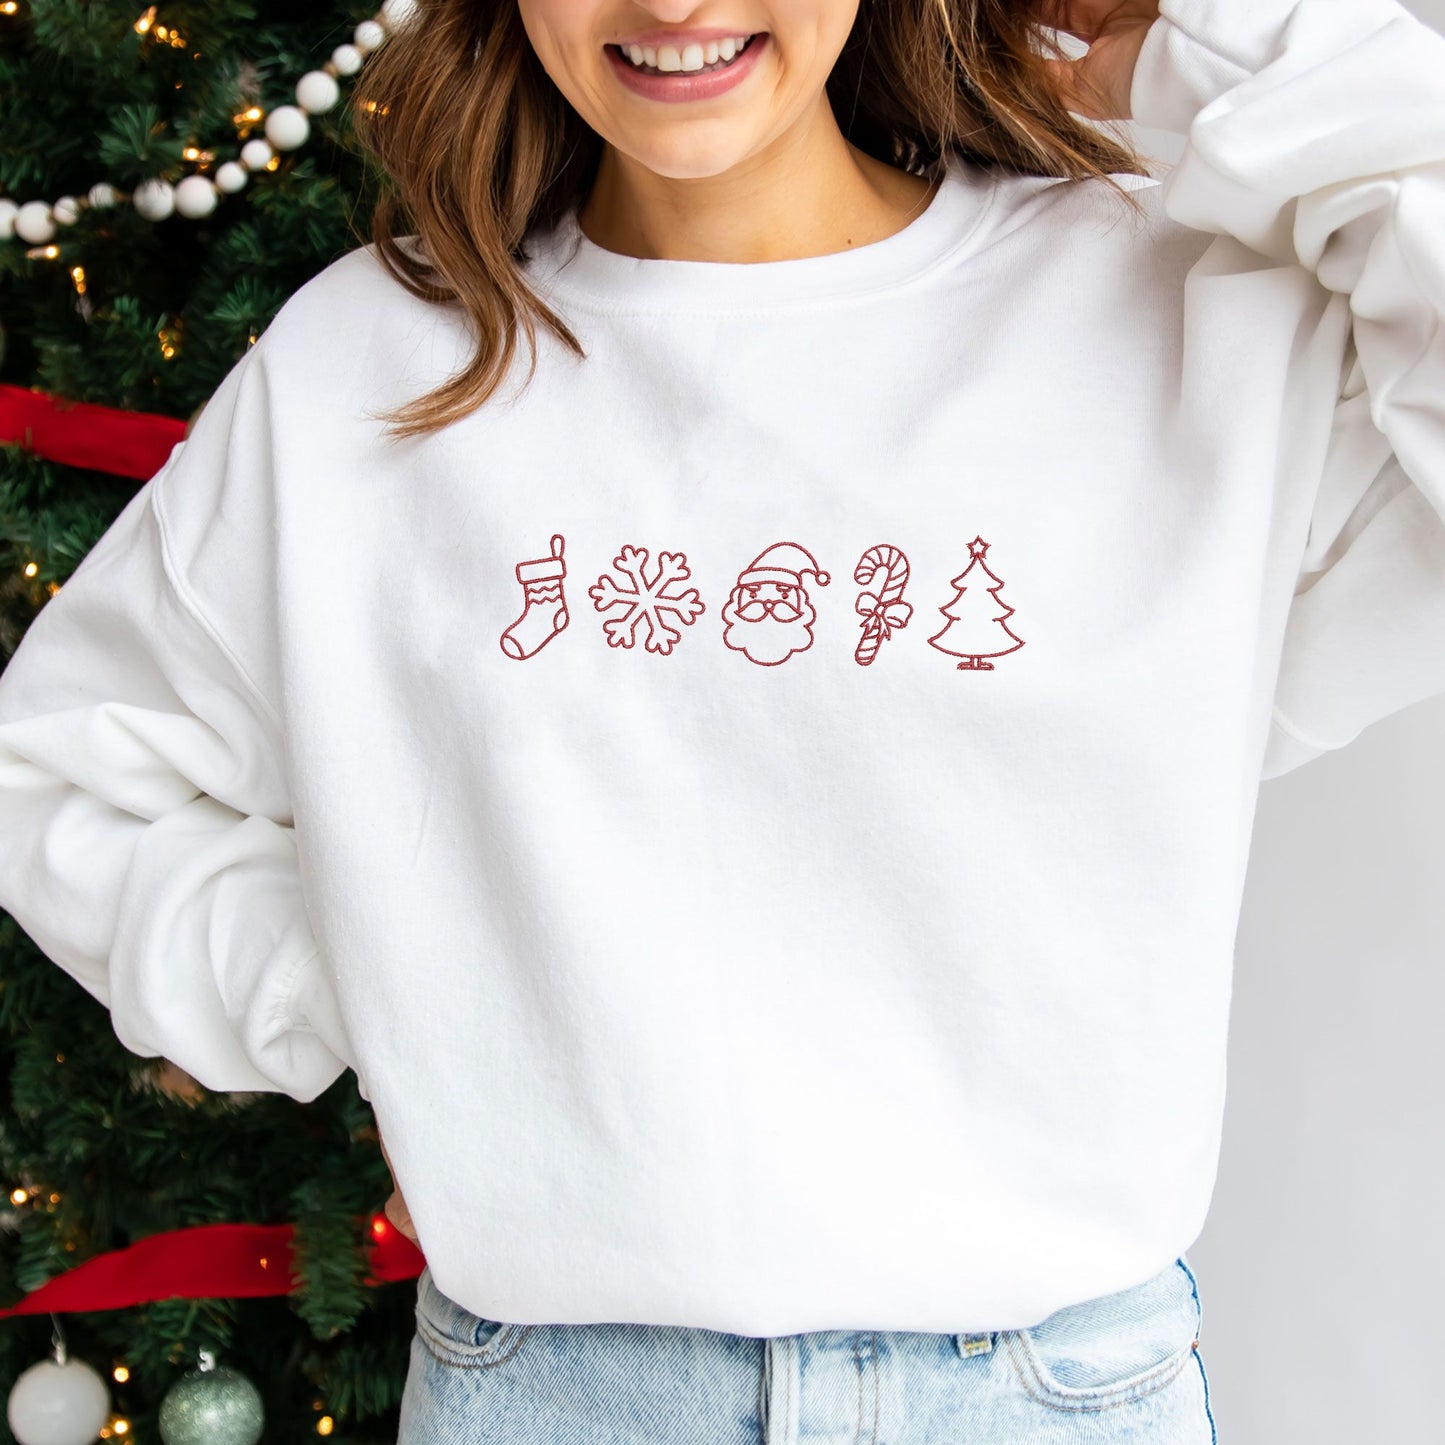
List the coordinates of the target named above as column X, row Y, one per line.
column 763, row 808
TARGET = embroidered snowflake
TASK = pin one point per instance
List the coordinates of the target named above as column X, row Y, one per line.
column 653, row 600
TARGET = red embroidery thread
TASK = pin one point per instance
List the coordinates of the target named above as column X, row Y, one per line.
column 544, row 607
column 971, row 619
column 647, row 599
column 884, row 609
column 769, row 615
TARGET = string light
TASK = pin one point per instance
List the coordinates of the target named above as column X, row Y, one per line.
column 31, row 568
column 120, row 1374
column 325, row 1425
column 77, row 274
column 146, row 21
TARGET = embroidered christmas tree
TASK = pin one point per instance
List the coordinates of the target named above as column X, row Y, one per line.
column 977, row 627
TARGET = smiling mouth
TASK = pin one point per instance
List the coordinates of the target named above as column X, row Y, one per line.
column 623, row 52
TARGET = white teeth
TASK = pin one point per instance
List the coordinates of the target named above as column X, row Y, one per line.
column 690, row 58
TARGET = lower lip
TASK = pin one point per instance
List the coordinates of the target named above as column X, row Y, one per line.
column 677, row 86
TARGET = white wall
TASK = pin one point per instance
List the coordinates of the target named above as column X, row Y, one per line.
column 1322, row 1264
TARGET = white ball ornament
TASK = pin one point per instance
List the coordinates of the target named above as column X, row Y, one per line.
column 317, row 92
column 66, row 211
column 33, row 223
column 256, row 154
column 231, row 177
column 8, row 211
column 196, row 197
column 102, row 194
column 154, row 199
column 58, row 1404
column 368, row 36
column 287, row 127
column 347, row 59
column 396, row 13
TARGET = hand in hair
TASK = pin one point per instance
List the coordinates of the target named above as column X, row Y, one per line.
column 1097, row 84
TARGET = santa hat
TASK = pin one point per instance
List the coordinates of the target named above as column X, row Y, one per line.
column 783, row 562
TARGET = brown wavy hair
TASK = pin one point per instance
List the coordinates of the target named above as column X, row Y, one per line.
column 475, row 145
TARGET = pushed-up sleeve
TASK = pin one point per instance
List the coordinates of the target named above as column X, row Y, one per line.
column 146, row 839
column 1315, row 134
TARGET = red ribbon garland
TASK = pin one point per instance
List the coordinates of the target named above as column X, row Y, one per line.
column 208, row 1261
column 81, row 434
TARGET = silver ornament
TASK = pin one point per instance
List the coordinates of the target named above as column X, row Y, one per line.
column 214, row 1405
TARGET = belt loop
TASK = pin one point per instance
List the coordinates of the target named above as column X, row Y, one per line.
column 779, row 1391
column 975, row 1342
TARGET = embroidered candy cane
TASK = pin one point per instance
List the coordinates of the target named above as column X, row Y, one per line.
column 885, row 609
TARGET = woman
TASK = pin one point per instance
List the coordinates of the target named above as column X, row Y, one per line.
column 760, row 795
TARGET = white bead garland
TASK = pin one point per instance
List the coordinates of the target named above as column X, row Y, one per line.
column 317, row 92
column 196, row 196
column 287, row 127
column 256, row 154
column 368, row 36
column 155, row 199
column 231, row 177
column 33, row 223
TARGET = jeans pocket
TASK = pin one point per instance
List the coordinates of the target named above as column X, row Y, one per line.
column 458, row 1337
column 1113, row 1349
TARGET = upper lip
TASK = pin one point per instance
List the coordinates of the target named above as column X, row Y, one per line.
column 680, row 38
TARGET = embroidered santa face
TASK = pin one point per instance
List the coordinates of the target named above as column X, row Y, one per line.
column 769, row 615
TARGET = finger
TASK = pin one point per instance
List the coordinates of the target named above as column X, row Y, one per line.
column 1067, row 85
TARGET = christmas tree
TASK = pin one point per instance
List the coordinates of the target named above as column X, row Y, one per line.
column 169, row 176
column 976, row 628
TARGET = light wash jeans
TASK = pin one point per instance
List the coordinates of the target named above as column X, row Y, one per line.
column 1123, row 1367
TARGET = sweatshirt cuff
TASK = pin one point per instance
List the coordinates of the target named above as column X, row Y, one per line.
column 311, row 1005
column 1196, row 50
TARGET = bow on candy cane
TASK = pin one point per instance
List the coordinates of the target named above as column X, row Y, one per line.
column 881, row 616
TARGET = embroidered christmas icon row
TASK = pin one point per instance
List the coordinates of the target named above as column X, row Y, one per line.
column 769, row 614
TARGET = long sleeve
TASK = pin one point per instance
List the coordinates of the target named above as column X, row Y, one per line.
column 146, row 841
column 1315, row 134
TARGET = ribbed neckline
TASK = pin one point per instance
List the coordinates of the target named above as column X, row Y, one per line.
column 565, row 261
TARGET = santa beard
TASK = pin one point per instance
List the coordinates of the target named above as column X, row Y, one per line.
column 767, row 640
